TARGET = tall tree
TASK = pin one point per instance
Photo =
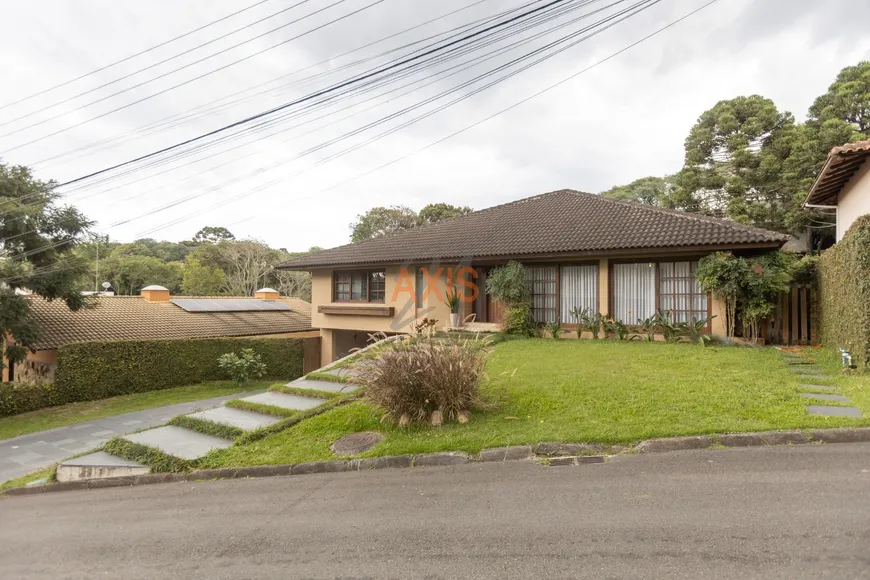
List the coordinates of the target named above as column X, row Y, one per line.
column 247, row 265
column 213, row 235
column 380, row 221
column 202, row 280
column 657, row 191
column 436, row 212
column 734, row 156
column 38, row 240
column 129, row 273
column 847, row 99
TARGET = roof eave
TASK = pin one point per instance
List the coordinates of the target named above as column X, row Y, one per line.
column 588, row 254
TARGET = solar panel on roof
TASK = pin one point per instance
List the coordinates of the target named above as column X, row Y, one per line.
column 228, row 305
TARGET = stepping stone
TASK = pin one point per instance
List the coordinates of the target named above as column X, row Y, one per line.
column 292, row 402
column 823, row 397
column 799, row 362
column 806, row 370
column 835, row 411
column 344, row 372
column 99, row 465
column 244, row 420
column 813, row 377
column 330, row 386
column 179, row 442
column 817, row 387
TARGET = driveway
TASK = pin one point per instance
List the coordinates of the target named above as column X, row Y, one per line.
column 777, row 512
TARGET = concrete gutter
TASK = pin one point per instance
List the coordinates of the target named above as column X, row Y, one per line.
column 550, row 453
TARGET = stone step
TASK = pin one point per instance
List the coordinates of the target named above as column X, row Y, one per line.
column 810, row 387
column 835, row 411
column 806, row 370
column 292, row 402
column 244, row 420
column 99, row 465
column 179, row 442
column 825, row 397
column 330, row 386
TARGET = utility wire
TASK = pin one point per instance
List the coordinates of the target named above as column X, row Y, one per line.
column 132, row 56
column 150, row 66
column 303, row 99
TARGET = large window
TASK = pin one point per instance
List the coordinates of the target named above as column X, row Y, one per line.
column 641, row 289
column 361, row 286
column 578, row 286
column 680, row 293
column 634, row 292
column 541, row 281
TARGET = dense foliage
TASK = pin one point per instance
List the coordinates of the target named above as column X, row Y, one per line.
column 213, row 263
column 746, row 285
column 748, row 161
column 243, row 366
column 844, row 290
column 381, row 221
column 96, row 370
column 37, row 242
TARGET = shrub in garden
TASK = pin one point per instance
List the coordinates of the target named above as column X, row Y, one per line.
column 518, row 319
column 419, row 380
column 242, row 367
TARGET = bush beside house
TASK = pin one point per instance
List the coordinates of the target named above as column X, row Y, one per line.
column 844, row 290
column 95, row 370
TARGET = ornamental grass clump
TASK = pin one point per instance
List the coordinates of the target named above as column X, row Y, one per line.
column 427, row 380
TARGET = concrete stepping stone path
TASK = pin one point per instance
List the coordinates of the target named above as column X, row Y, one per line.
column 828, row 411
column 179, row 442
column 190, row 445
column 825, row 397
column 330, row 386
column 806, row 370
column 244, row 420
column 292, row 402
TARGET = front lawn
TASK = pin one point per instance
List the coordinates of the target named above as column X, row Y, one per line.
column 580, row 391
column 73, row 413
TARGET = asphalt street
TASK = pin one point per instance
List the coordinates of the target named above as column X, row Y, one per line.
column 776, row 512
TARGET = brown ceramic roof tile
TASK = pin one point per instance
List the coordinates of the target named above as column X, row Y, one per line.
column 132, row 318
column 843, row 163
column 559, row 222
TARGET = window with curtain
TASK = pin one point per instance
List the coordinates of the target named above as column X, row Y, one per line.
column 362, row 286
column 634, row 292
column 541, row 281
column 680, row 293
column 578, row 287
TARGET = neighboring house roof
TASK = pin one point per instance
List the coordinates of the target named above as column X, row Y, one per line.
column 555, row 223
column 843, row 162
column 133, row 318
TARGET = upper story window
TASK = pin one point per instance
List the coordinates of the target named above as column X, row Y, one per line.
column 359, row 286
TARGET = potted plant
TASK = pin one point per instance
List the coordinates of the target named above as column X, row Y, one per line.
column 452, row 303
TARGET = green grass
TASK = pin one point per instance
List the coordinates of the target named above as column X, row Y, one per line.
column 47, row 473
column 316, row 376
column 304, row 392
column 261, row 408
column 82, row 412
column 580, row 391
column 206, row 427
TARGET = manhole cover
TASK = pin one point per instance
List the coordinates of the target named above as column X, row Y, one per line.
column 356, row 443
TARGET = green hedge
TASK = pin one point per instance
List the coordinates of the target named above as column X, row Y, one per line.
column 844, row 293
column 18, row 398
column 96, row 370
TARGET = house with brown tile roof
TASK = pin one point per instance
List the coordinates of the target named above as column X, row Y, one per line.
column 844, row 185
column 155, row 315
column 579, row 250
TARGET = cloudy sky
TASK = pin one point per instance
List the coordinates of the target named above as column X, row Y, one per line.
column 298, row 179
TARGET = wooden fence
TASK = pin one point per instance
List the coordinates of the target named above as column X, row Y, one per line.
column 795, row 321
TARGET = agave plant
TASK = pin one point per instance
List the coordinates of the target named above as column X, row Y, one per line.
column 554, row 329
column 672, row 330
column 648, row 325
column 695, row 330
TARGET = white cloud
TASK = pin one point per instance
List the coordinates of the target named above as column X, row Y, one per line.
column 620, row 121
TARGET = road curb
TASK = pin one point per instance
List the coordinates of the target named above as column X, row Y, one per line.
column 552, row 453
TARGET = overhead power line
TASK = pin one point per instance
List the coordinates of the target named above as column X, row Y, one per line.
column 132, row 56
column 154, row 65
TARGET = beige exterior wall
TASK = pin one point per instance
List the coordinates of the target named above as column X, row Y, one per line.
column 854, row 200
column 400, row 295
